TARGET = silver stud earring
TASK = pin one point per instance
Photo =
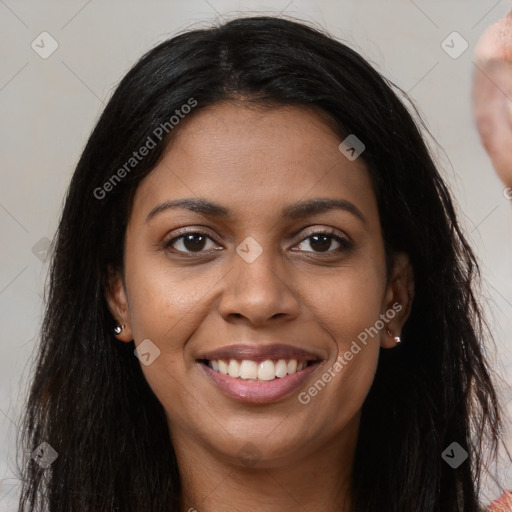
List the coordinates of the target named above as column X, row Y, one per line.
column 396, row 338
column 118, row 329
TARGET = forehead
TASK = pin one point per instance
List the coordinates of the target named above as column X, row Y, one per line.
column 254, row 158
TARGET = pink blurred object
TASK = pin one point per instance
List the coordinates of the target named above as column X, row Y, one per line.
column 502, row 504
column 495, row 42
column 492, row 95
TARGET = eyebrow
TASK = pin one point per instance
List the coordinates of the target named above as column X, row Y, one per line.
column 202, row 206
column 294, row 211
column 321, row 205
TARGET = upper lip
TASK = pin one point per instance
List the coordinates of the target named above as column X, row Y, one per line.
column 260, row 353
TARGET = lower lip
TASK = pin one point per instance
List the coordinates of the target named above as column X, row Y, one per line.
column 259, row 392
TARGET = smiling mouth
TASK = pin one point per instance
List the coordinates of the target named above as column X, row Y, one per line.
column 264, row 371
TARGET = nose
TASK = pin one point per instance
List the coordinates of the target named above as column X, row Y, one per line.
column 259, row 291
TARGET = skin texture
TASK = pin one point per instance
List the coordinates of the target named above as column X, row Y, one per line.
column 255, row 163
column 492, row 95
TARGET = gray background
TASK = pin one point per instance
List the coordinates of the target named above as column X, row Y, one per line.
column 49, row 106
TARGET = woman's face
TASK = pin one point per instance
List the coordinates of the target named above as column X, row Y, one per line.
column 269, row 283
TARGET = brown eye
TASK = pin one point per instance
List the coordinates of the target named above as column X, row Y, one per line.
column 194, row 242
column 321, row 242
column 187, row 243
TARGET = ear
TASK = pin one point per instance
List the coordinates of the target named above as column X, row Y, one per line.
column 398, row 299
column 118, row 305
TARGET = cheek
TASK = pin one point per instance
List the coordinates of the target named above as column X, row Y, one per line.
column 347, row 301
column 166, row 307
column 333, row 401
column 164, row 304
column 348, row 305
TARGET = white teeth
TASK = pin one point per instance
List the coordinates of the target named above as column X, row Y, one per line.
column 281, row 368
column 234, row 368
column 223, row 367
column 265, row 371
column 292, row 366
column 248, row 370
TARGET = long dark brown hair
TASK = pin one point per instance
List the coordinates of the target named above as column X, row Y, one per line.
column 89, row 399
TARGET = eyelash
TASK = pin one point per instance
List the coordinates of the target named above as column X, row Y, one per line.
column 345, row 244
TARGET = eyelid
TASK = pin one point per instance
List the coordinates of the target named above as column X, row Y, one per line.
column 326, row 231
column 190, row 229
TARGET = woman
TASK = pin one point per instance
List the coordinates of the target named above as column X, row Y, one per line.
column 260, row 296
